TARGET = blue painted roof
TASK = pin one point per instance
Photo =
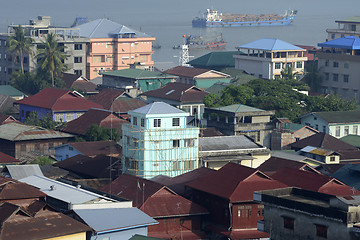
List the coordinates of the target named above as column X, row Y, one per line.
column 105, row 28
column 158, row 108
column 270, row 44
column 349, row 42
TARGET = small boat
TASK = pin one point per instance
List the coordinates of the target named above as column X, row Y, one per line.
column 211, row 18
column 203, row 42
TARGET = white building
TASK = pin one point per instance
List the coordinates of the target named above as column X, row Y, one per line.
column 266, row 58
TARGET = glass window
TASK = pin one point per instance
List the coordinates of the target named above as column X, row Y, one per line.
column 326, row 63
column 277, row 65
column 78, row 46
column 134, row 121
column 189, row 142
column 346, row 78
column 142, row 123
column 321, row 231
column 355, row 130
column 335, row 77
column 157, row 122
column 70, row 116
column 298, row 64
column 176, row 122
column 324, row 129
column 346, row 130
column 77, row 59
column 335, row 64
column 176, row 143
column 346, row 65
column 337, row 131
column 59, row 117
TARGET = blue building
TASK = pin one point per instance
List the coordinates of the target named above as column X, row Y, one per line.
column 158, row 142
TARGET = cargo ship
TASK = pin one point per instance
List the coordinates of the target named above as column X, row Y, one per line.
column 211, row 18
column 203, row 42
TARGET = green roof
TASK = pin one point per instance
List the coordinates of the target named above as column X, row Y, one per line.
column 215, row 59
column 137, row 74
column 141, row 237
column 238, row 75
column 339, row 116
column 217, row 88
column 351, row 19
column 352, row 140
column 236, row 108
column 10, row 91
column 295, row 126
column 208, row 82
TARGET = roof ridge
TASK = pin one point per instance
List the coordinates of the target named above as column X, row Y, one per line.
column 96, row 27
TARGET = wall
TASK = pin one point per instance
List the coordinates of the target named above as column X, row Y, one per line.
column 176, row 224
column 246, row 215
column 64, row 152
column 124, row 234
column 76, row 236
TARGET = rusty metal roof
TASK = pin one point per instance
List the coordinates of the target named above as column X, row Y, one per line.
column 20, row 132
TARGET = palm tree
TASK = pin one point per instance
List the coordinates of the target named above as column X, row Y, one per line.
column 50, row 56
column 19, row 44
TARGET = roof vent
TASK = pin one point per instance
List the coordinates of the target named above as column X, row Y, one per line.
column 52, row 187
column 169, row 92
column 78, row 186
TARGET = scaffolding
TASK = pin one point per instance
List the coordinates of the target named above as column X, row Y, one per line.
column 168, row 151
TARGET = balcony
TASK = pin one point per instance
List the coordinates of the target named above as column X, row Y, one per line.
column 343, row 31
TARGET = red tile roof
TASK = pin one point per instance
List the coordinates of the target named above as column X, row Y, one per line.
column 313, row 182
column 92, row 149
column 87, row 167
column 116, row 100
column 153, row 198
column 18, row 224
column 180, row 92
column 235, row 182
column 58, row 100
column 7, row 159
column 102, row 118
column 274, row 164
column 186, row 71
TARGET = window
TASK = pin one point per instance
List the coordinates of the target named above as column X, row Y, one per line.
column 78, row 72
column 134, row 121
column 277, row 65
column 346, row 130
column 298, row 64
column 70, row 116
column 335, row 64
column 337, row 131
column 176, row 143
column 326, row 63
column 332, row 159
column 346, row 65
column 176, row 122
column 346, row 78
column 335, row 77
column 355, row 130
column 77, row 59
column 189, row 142
column 157, row 122
column 289, row 223
column 321, row 231
column 333, row 36
column 324, row 129
column 189, row 164
column 23, row 148
column 59, row 117
column 142, row 122
column 316, row 127
column 78, row 46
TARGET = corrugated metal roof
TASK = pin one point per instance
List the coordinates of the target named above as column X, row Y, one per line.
column 338, row 116
column 137, row 74
column 238, row 108
column 159, row 108
column 19, row 132
column 228, row 143
column 114, row 218
column 10, row 91
column 62, row 191
column 215, row 59
column 105, row 28
column 22, row 171
column 270, row 44
column 350, row 19
column 348, row 42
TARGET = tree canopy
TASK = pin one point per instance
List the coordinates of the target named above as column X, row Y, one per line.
column 20, row 45
column 283, row 96
column 96, row 133
column 45, row 122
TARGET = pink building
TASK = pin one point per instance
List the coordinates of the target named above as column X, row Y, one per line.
column 114, row 47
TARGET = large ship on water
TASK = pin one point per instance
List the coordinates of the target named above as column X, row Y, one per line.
column 211, row 18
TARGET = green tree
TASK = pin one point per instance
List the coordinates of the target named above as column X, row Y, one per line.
column 236, row 94
column 212, row 100
column 45, row 122
column 96, row 133
column 313, row 78
column 287, row 73
column 50, row 57
column 20, row 45
column 43, row 161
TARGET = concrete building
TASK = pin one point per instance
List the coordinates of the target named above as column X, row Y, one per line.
column 320, row 154
column 346, row 27
column 158, row 141
column 240, row 119
column 266, row 58
column 339, row 66
column 75, row 47
column 114, row 47
column 337, row 124
column 293, row 213
column 217, row 151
